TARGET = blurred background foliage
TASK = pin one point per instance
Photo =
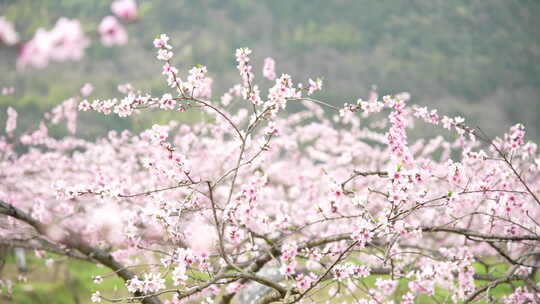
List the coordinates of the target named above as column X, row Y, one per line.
column 478, row 59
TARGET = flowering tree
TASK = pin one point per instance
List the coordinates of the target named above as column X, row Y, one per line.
column 261, row 205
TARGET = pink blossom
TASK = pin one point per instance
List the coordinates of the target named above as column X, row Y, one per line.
column 269, row 69
column 164, row 54
column 197, row 84
column 8, row 35
column 244, row 66
column 85, row 105
column 373, row 94
column 520, row 296
column 134, row 284
column 167, row 102
column 152, row 283
column 314, row 85
column 407, row 298
column 162, row 42
column 253, row 95
column 202, row 238
column 125, row 9
column 96, row 297
column 362, row 271
column 87, row 89
column 386, row 286
column 280, row 92
column 304, row 282
column 362, row 233
column 7, row 91
column 66, row 41
column 112, row 32
column 271, row 129
column 179, row 275
column 11, row 122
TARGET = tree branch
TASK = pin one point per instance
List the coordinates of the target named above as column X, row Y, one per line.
column 73, row 242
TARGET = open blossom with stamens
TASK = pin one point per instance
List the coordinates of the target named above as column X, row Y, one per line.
column 362, row 233
column 271, row 129
column 162, row 42
column 171, row 73
column 252, row 95
column 303, row 282
column 85, row 105
column 167, row 102
column 234, row 234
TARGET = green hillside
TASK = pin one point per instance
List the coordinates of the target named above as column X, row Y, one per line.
column 480, row 59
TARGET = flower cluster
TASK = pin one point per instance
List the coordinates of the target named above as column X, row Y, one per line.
column 288, row 258
column 66, row 41
column 397, row 135
column 282, row 90
column 244, row 66
column 152, row 282
column 197, row 84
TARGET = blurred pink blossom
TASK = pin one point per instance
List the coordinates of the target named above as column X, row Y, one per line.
column 202, row 239
column 11, row 122
column 112, row 32
column 87, row 89
column 269, row 69
column 8, row 35
column 125, row 9
column 66, row 41
column 7, row 91
column 35, row 53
